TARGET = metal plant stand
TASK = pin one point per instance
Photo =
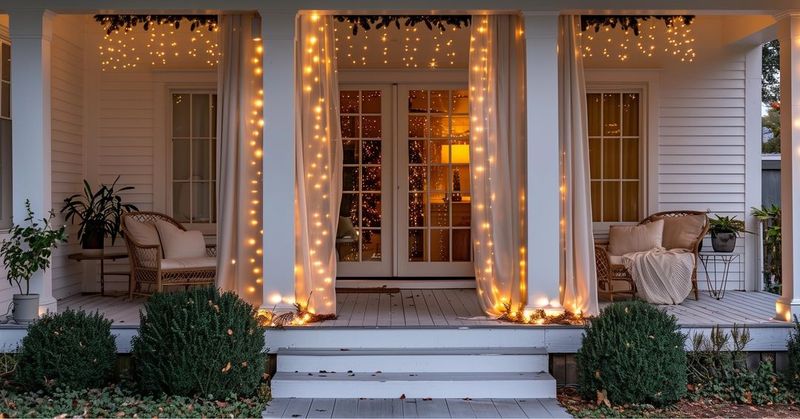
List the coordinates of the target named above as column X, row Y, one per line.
column 716, row 288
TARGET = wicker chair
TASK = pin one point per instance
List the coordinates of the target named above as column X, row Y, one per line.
column 146, row 261
column 608, row 273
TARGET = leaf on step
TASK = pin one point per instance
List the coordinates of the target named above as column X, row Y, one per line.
column 602, row 398
column 403, row 396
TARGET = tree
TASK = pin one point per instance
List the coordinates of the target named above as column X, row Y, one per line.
column 772, row 122
column 770, row 72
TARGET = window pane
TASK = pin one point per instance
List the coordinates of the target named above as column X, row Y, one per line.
column 595, row 159
column 371, row 127
column 416, row 245
column 370, row 152
column 630, row 158
column 350, row 179
column 180, row 115
column 440, row 210
column 416, row 152
column 180, row 201
column 439, row 152
column 371, row 210
column 440, row 245
column 416, row 210
column 593, row 110
column 440, row 127
column 370, row 245
column 611, row 201
column 350, row 151
column 5, row 99
column 460, row 179
column 462, row 246
column 438, row 181
column 417, row 126
column 630, row 114
column 348, row 101
column 180, row 159
column 416, row 178
column 611, row 114
column 630, row 201
column 349, row 126
column 462, row 214
column 371, row 101
column 347, row 250
column 201, row 202
column 201, row 160
column 460, row 128
column 349, row 208
column 417, row 101
column 597, row 199
column 460, row 101
column 439, row 101
column 201, row 126
column 371, row 179
column 611, row 158
column 6, row 65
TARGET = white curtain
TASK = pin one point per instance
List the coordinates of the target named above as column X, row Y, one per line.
column 497, row 153
column 238, row 160
column 319, row 164
column 579, row 278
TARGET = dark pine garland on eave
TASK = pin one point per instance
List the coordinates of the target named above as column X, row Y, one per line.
column 441, row 22
column 629, row 22
column 113, row 23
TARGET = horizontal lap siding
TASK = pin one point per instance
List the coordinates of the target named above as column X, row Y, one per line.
column 67, row 130
column 701, row 149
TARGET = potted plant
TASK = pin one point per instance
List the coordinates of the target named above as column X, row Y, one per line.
column 724, row 231
column 99, row 214
column 25, row 252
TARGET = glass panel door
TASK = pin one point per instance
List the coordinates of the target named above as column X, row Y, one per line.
column 434, row 199
column 364, row 235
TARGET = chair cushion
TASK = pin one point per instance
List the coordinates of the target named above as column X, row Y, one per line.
column 682, row 232
column 629, row 239
column 179, row 244
column 144, row 234
column 189, row 263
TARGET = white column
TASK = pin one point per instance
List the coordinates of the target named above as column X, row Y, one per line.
column 543, row 178
column 31, row 33
column 789, row 35
column 278, row 37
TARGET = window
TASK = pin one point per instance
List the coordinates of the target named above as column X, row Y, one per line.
column 615, row 155
column 5, row 135
column 194, row 151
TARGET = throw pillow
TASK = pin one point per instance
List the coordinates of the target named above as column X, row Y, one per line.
column 629, row 239
column 179, row 244
column 682, row 232
column 143, row 234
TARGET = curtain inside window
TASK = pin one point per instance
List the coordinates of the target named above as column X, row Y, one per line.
column 497, row 153
column 578, row 275
column 238, row 160
column 319, row 164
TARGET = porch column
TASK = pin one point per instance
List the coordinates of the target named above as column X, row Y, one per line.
column 278, row 37
column 543, row 196
column 31, row 33
column 789, row 35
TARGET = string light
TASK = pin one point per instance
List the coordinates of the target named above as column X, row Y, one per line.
column 608, row 43
column 254, row 243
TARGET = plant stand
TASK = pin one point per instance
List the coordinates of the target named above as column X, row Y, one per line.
column 112, row 256
column 716, row 288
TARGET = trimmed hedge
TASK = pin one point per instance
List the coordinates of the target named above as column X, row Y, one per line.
column 72, row 349
column 632, row 353
column 198, row 343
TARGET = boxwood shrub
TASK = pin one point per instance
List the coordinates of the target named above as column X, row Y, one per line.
column 72, row 349
column 632, row 353
column 198, row 342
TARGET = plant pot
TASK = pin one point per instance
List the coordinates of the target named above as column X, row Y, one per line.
column 93, row 238
column 26, row 308
column 723, row 242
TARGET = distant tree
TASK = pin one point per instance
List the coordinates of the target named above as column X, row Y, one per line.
column 772, row 122
column 770, row 72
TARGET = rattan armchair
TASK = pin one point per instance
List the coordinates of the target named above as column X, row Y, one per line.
column 149, row 273
column 609, row 273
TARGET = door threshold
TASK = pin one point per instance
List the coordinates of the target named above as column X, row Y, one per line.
column 406, row 283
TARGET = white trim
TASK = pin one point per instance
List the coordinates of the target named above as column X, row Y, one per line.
column 406, row 283
column 402, row 76
column 753, row 167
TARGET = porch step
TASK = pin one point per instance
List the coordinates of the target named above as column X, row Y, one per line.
column 414, row 360
column 413, row 372
column 414, row 385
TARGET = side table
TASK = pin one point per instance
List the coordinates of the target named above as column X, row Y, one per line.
column 716, row 288
column 102, row 257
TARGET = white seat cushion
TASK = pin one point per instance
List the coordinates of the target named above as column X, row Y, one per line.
column 189, row 263
column 179, row 244
column 629, row 239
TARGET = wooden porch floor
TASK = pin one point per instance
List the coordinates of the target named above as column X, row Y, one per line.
column 452, row 308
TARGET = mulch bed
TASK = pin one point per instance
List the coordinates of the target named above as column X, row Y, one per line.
column 687, row 408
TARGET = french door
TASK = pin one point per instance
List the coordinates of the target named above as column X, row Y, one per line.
column 406, row 201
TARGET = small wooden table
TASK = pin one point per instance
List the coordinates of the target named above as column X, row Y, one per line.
column 102, row 257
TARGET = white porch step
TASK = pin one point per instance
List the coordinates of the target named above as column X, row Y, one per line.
column 414, row 385
column 413, row 360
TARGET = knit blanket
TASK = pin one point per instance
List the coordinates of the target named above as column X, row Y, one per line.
column 661, row 276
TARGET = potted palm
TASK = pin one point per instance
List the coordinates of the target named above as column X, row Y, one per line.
column 99, row 214
column 25, row 252
column 724, row 231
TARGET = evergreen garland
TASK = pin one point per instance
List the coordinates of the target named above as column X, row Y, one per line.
column 440, row 22
column 629, row 22
column 113, row 23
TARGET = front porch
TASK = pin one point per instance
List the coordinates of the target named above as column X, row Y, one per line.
column 452, row 318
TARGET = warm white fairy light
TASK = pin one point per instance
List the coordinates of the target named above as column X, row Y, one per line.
column 131, row 48
column 256, row 124
column 607, row 43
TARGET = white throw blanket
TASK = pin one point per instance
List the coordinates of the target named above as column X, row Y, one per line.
column 661, row 276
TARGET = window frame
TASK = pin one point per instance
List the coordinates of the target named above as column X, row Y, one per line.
column 208, row 229
column 602, row 227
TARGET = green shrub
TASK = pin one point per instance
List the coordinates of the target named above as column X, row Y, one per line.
column 717, row 367
column 198, row 343
column 793, row 348
column 72, row 349
column 632, row 353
